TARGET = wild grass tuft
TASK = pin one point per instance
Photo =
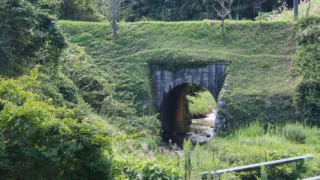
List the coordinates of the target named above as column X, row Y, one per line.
column 295, row 132
column 254, row 129
column 288, row 15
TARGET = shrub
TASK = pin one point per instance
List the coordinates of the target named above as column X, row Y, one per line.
column 307, row 64
column 29, row 35
column 286, row 171
column 92, row 83
column 41, row 141
column 134, row 124
column 295, row 133
column 133, row 168
column 152, row 170
column 310, row 35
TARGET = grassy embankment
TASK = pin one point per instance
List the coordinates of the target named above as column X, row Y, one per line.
column 258, row 86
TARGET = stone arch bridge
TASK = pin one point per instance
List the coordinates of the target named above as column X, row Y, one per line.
column 169, row 92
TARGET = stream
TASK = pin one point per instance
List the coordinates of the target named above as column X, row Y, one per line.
column 200, row 131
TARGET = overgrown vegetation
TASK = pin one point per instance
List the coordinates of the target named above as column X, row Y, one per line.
column 307, row 65
column 42, row 140
column 249, row 144
column 175, row 10
column 259, row 66
column 28, row 35
column 87, row 111
column 288, row 14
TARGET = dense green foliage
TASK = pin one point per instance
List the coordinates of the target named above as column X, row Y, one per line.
column 96, row 87
column 82, row 10
column 174, row 10
column 41, row 140
column 49, row 122
column 150, row 169
column 307, row 65
column 29, row 35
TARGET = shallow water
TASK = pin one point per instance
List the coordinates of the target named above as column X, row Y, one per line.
column 200, row 131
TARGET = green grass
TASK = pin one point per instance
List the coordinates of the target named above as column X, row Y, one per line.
column 259, row 87
column 248, row 145
column 203, row 103
column 259, row 58
column 289, row 16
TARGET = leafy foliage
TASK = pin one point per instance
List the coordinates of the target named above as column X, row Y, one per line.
column 150, row 169
column 179, row 10
column 307, row 65
column 81, row 10
column 40, row 140
column 201, row 104
column 295, row 132
column 29, row 35
column 93, row 85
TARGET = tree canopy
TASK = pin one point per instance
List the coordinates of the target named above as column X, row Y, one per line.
column 28, row 34
column 174, row 10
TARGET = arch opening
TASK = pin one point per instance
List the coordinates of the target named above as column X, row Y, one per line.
column 175, row 115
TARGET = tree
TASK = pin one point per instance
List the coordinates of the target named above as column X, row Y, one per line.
column 39, row 140
column 224, row 11
column 28, row 35
column 112, row 9
column 83, row 10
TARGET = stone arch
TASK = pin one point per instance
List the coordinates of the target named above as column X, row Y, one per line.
column 169, row 88
column 172, row 109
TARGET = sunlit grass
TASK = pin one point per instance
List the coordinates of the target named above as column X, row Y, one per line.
column 248, row 145
column 259, row 85
column 203, row 103
column 288, row 14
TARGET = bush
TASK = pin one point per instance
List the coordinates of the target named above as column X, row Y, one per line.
column 310, row 35
column 286, row 171
column 29, row 35
column 92, row 83
column 134, row 124
column 148, row 169
column 307, row 64
column 295, row 133
column 40, row 141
